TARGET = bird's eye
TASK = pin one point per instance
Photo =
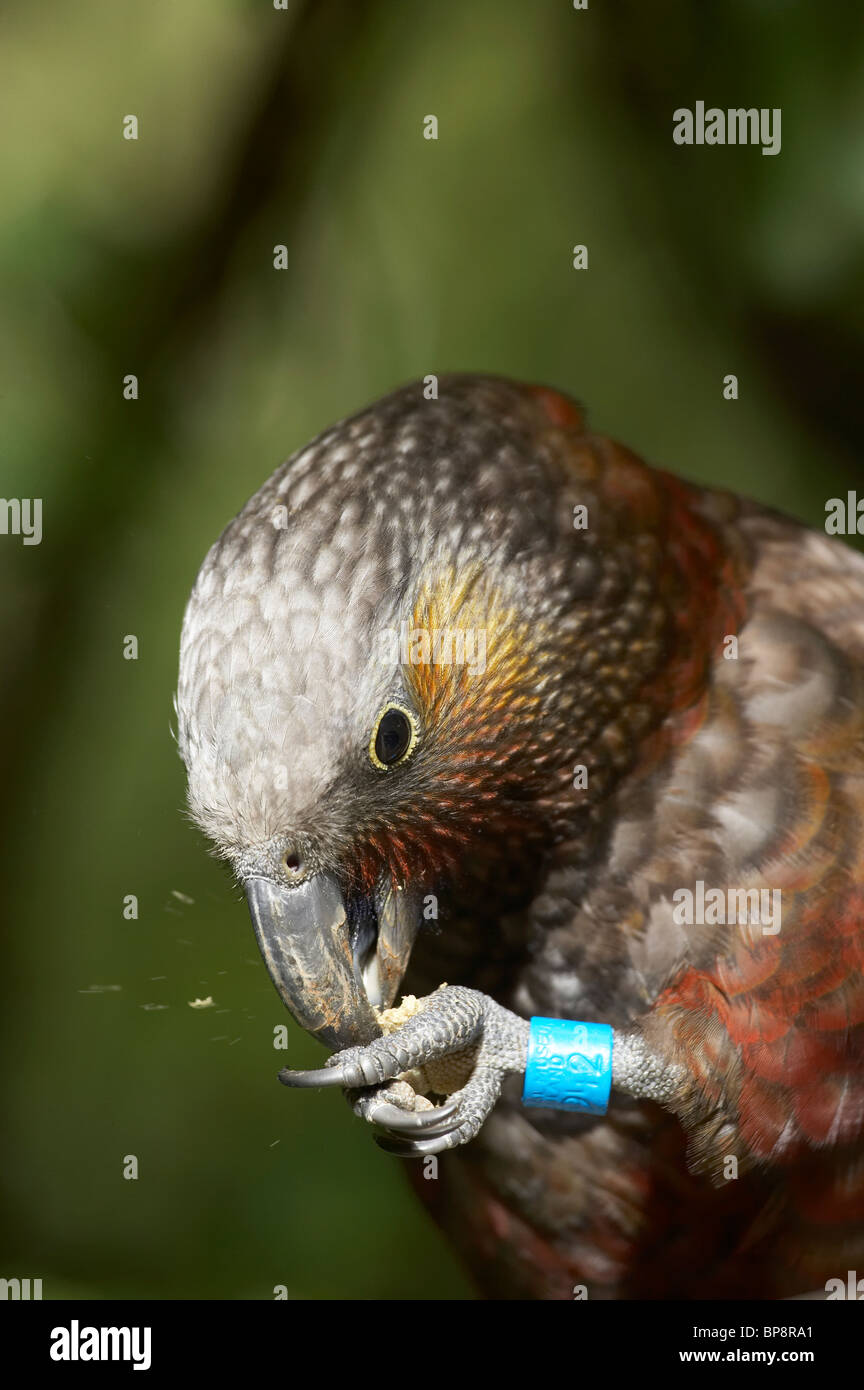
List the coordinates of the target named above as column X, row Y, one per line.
column 394, row 737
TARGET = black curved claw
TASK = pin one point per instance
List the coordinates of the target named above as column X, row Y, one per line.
column 413, row 1148
column 325, row 1076
column 410, row 1121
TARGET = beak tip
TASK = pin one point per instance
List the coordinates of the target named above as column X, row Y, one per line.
column 302, row 934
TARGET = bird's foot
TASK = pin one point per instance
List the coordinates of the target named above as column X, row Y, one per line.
column 455, row 1042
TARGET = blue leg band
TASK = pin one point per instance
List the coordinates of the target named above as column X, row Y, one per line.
column 569, row 1065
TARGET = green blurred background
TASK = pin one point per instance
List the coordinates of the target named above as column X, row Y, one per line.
column 406, row 256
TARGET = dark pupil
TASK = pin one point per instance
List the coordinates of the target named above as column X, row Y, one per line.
column 393, row 736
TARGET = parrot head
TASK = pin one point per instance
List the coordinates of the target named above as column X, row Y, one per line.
column 392, row 661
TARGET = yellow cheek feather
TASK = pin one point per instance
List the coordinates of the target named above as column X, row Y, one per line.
column 471, row 660
column 480, row 704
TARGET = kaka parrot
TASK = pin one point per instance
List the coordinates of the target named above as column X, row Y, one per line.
column 475, row 703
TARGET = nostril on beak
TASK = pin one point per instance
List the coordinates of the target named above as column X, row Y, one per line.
column 292, row 864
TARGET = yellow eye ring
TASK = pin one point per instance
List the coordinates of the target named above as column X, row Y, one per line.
column 394, row 737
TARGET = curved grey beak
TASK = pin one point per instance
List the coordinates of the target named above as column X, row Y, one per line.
column 328, row 975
